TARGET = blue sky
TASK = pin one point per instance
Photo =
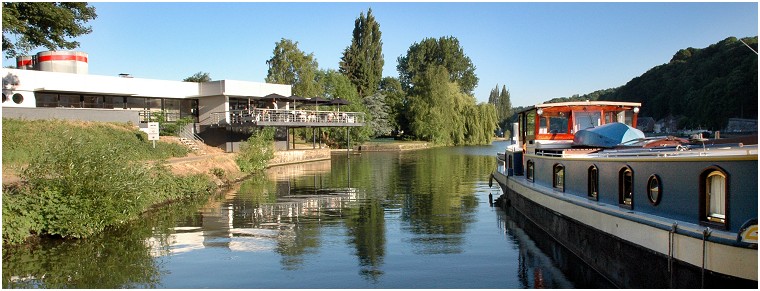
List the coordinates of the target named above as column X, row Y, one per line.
column 538, row 50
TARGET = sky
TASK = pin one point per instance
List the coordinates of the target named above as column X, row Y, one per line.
column 539, row 51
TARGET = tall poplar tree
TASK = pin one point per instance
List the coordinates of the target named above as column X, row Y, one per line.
column 289, row 65
column 362, row 61
column 504, row 108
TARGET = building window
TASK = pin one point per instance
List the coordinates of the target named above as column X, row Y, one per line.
column 558, row 178
column 713, row 192
column 593, row 183
column 18, row 98
column 530, row 168
column 71, row 101
column 90, row 101
column 654, row 189
column 625, row 182
column 46, row 99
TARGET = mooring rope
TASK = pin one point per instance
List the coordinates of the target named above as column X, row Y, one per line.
column 671, row 242
column 705, row 234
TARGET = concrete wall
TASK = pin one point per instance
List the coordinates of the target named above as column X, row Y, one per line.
column 88, row 114
column 207, row 106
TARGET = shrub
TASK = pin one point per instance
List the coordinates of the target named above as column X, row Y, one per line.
column 256, row 152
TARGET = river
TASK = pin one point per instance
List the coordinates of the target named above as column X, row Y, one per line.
column 417, row 219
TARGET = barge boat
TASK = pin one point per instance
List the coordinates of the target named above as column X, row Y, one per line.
column 643, row 212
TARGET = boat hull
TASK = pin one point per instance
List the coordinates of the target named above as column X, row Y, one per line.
column 619, row 249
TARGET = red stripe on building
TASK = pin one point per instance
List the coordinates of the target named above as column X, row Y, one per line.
column 23, row 63
column 48, row 58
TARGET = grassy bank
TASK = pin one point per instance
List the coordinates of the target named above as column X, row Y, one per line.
column 81, row 177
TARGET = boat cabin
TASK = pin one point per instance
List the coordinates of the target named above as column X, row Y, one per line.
column 554, row 124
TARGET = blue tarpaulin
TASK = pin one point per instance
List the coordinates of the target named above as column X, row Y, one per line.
column 608, row 135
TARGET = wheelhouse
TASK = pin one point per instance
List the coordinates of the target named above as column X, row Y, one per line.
column 558, row 122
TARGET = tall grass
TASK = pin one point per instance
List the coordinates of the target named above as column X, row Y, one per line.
column 82, row 179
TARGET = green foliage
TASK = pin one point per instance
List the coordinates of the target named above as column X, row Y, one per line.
column 380, row 123
column 336, row 85
column 703, row 87
column 169, row 127
column 218, row 172
column 289, row 65
column 362, row 61
column 78, row 186
column 25, row 139
column 395, row 100
column 442, row 114
column 47, row 24
column 429, row 53
column 256, row 151
column 503, row 105
column 198, row 77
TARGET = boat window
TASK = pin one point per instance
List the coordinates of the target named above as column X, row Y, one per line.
column 529, row 173
column 559, row 177
column 530, row 123
column 583, row 119
column 714, row 195
column 625, row 181
column 593, row 183
column 553, row 122
column 654, row 189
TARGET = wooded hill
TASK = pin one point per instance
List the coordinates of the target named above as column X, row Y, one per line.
column 701, row 87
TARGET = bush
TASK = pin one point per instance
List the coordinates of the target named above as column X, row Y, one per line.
column 79, row 186
column 256, row 152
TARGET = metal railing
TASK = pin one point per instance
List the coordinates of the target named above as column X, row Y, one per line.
column 294, row 117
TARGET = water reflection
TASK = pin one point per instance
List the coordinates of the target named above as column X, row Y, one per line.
column 380, row 220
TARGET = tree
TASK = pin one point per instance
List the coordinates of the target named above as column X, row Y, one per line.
column 47, row 24
column 289, row 65
column 335, row 85
column 395, row 101
column 445, row 52
column 504, row 108
column 362, row 61
column 198, row 77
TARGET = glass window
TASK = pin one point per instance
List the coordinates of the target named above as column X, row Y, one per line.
column 46, row 99
column 119, row 102
column 90, row 101
column 189, row 108
column 135, row 103
column 530, row 123
column 654, row 189
column 583, row 120
column 529, row 173
column 153, row 104
column 626, row 187
column 559, row 177
column 593, row 183
column 553, row 122
column 71, row 101
column 172, row 108
column 715, row 187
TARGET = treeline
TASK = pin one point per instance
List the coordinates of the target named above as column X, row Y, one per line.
column 430, row 100
column 701, row 87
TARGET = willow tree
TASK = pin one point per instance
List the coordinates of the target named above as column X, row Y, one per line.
column 362, row 61
column 289, row 65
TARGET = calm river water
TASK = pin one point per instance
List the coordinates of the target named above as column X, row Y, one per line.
column 417, row 219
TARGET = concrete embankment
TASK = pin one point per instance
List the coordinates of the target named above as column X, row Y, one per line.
column 226, row 161
column 391, row 146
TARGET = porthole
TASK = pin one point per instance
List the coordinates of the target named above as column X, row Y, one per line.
column 18, row 98
column 5, row 97
column 654, row 189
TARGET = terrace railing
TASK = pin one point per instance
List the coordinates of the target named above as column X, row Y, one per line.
column 283, row 117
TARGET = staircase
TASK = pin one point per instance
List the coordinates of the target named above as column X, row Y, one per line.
column 191, row 140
